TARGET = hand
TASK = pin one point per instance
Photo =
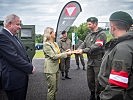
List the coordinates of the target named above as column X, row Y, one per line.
column 69, row 53
column 33, row 71
column 75, row 52
column 79, row 51
column 68, row 50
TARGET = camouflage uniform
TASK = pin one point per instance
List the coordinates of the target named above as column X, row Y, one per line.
column 64, row 44
column 94, row 55
column 79, row 42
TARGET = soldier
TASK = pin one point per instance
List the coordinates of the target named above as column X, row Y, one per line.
column 116, row 71
column 64, row 45
column 77, row 56
column 92, row 46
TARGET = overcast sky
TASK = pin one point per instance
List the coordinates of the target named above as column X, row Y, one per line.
column 43, row 13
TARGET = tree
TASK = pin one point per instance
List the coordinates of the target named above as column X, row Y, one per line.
column 71, row 30
column 39, row 38
column 81, row 31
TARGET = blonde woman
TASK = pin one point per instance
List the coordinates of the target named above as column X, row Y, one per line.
column 52, row 60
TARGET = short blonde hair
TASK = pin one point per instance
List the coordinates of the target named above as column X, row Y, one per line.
column 47, row 32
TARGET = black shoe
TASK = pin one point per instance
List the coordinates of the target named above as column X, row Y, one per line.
column 78, row 68
column 63, row 78
column 92, row 98
column 84, row 68
column 67, row 77
column 98, row 98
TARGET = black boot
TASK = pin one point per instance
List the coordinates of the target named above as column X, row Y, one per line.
column 78, row 67
column 98, row 98
column 83, row 67
column 62, row 77
column 66, row 76
column 92, row 97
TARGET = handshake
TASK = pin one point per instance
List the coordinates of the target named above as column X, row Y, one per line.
column 70, row 52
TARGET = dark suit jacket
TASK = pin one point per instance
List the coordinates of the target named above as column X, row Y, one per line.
column 0, row 75
column 15, row 63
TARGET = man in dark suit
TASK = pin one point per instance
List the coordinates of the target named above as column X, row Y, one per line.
column 16, row 65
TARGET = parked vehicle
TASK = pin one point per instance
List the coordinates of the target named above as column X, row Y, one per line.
column 39, row 46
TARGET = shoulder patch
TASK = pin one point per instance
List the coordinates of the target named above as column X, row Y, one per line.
column 117, row 65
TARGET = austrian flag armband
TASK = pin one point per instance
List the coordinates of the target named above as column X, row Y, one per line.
column 99, row 42
column 119, row 78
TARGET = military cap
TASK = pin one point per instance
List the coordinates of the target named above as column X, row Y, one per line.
column 121, row 16
column 92, row 19
column 63, row 32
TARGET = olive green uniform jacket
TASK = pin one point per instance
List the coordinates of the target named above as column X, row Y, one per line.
column 64, row 44
column 93, row 50
column 116, row 73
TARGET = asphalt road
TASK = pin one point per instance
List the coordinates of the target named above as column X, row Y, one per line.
column 73, row 89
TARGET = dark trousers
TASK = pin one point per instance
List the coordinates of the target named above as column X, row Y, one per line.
column 77, row 56
column 92, row 74
column 65, row 64
column 19, row 94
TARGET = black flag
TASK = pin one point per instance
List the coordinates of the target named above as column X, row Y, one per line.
column 67, row 16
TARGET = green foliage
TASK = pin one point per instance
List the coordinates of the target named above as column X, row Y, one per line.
column 109, row 36
column 71, row 30
column 81, row 31
column 39, row 38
